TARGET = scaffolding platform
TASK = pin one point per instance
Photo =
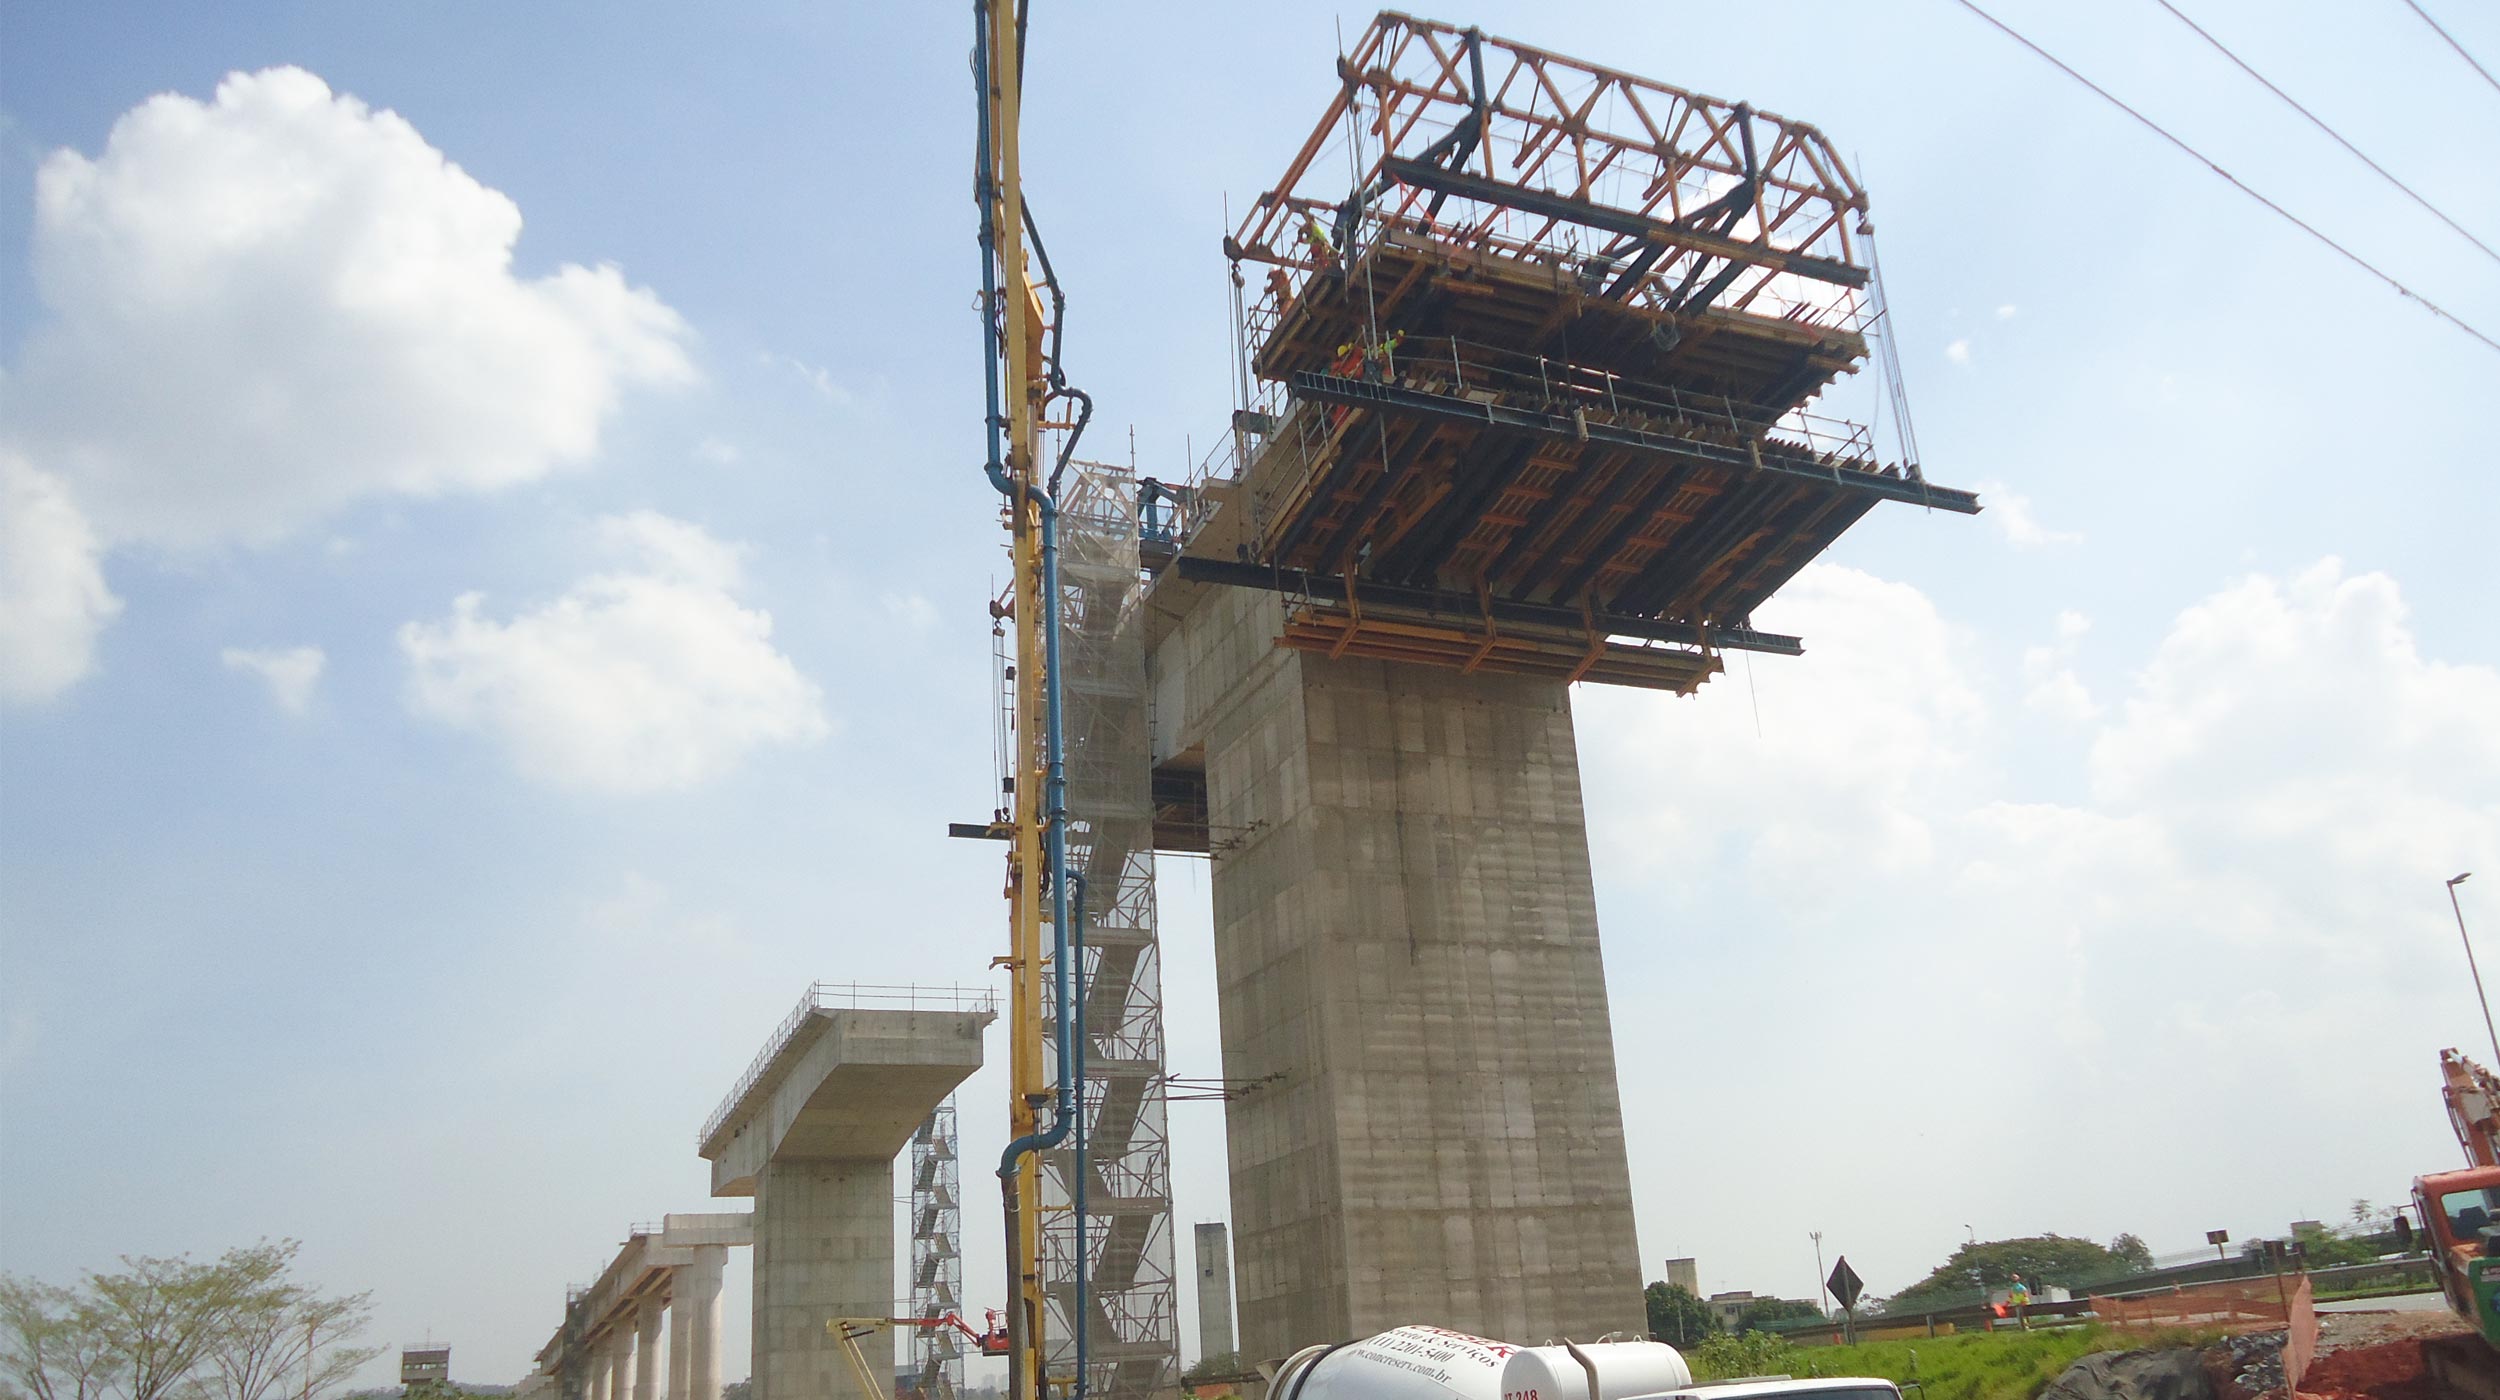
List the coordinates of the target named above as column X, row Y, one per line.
column 1528, row 348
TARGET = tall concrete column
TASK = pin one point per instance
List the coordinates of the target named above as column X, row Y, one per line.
column 824, row 1247
column 601, row 1372
column 647, row 1350
column 812, row 1138
column 679, row 1323
column 620, row 1364
column 1408, row 974
column 695, row 1353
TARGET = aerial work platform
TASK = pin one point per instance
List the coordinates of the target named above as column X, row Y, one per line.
column 1527, row 351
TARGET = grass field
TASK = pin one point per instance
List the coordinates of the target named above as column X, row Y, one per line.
column 1967, row 1366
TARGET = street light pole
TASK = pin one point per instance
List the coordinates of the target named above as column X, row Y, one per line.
column 1822, row 1293
column 2459, row 910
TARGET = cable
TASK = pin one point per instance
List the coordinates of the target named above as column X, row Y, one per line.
column 2452, row 43
column 2331, row 132
column 2202, row 159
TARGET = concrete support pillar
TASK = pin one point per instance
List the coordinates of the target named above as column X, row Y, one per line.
column 679, row 1324
column 824, row 1248
column 600, row 1368
column 812, row 1137
column 694, row 1327
column 647, row 1351
column 620, row 1364
column 1407, row 964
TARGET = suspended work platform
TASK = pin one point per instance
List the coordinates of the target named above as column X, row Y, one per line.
column 1527, row 349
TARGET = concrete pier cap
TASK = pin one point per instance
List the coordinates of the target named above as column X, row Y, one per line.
column 810, row 1132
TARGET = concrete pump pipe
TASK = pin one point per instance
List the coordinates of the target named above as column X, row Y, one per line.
column 1432, row 1363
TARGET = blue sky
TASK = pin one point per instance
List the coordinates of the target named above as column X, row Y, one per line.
column 2107, row 830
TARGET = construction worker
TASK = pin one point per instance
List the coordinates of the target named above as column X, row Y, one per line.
column 1381, row 355
column 1349, row 362
column 2020, row 1296
column 1316, row 235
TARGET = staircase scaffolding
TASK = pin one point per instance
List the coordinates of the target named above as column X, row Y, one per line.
column 937, row 1271
column 1132, row 1328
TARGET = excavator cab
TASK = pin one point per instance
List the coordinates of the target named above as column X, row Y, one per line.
column 2460, row 1214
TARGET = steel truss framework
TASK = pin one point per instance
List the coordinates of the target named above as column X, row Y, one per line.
column 1132, row 1328
column 937, row 1268
column 1539, row 337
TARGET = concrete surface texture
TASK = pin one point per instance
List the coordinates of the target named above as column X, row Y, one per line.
column 1409, row 984
column 813, row 1140
column 1215, row 1291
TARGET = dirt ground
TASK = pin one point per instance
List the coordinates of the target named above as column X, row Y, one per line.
column 2375, row 1356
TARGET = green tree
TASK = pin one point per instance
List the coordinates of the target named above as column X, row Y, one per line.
column 2132, row 1252
column 50, row 1345
column 1767, row 1310
column 287, row 1340
column 2040, row 1259
column 176, row 1329
column 1726, row 1357
column 2324, row 1248
column 1222, row 1364
column 1676, row 1316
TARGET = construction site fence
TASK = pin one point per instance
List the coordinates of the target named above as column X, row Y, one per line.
column 2245, row 1305
column 1968, row 1308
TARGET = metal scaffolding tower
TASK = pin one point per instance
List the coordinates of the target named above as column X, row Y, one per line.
column 1132, row 1328
column 937, row 1268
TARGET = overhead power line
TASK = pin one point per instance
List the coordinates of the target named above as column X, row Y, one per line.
column 2332, row 134
column 2234, row 181
column 2452, row 43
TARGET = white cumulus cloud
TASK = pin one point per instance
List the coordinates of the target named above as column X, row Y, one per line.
column 2011, row 510
column 2049, row 672
column 269, row 304
column 291, row 673
column 2222, row 889
column 53, row 599
column 649, row 677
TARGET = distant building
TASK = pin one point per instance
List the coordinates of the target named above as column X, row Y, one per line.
column 1728, row 1307
column 425, row 1365
column 1685, row 1274
column 1215, row 1292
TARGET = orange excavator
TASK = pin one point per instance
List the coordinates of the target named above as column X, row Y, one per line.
column 2460, row 1214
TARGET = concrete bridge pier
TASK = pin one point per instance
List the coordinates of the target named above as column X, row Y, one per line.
column 694, row 1326
column 812, row 1136
column 620, row 1364
column 647, row 1349
column 1409, row 983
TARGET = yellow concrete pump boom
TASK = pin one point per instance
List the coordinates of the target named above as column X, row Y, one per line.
column 1022, row 380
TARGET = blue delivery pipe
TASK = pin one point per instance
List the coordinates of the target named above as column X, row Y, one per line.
column 1067, row 935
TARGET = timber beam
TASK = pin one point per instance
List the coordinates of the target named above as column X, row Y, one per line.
column 1332, row 588
column 1855, row 476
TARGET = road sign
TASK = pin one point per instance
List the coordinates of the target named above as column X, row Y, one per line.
column 1845, row 1284
column 2217, row 1237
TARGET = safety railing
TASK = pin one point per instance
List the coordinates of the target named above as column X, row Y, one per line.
column 1520, row 237
column 844, row 996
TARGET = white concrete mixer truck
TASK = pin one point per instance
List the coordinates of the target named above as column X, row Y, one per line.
column 1433, row 1363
